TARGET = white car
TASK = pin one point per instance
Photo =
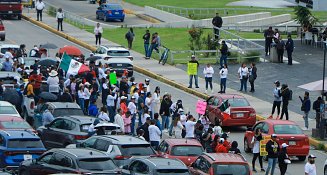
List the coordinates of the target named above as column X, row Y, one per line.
column 5, row 47
column 7, row 109
column 106, row 51
column 118, row 65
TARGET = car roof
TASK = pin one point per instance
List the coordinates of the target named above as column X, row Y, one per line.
column 80, row 119
column 225, row 158
column 123, row 139
column 279, row 122
column 5, row 103
column 63, row 105
column 9, row 46
column 111, row 47
column 188, row 142
column 228, row 96
column 10, row 118
column 81, row 153
column 118, row 60
column 165, row 163
column 18, row 134
column 115, row 4
column 4, row 74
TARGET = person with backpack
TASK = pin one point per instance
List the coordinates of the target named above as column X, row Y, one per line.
column 305, row 107
column 224, row 53
column 130, row 37
column 286, row 96
column 277, row 100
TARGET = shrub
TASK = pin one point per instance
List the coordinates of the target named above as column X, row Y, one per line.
column 195, row 38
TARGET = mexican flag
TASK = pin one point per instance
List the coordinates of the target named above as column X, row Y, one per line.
column 225, row 108
column 71, row 66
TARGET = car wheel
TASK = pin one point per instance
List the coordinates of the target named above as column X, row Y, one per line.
column 247, row 149
column 105, row 18
column 325, row 170
column 97, row 16
column 302, row 158
column 19, row 17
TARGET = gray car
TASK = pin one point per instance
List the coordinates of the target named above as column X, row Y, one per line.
column 119, row 148
column 65, row 108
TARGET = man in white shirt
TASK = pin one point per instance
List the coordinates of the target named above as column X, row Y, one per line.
column 147, row 83
column 189, row 127
column 154, row 134
column 39, row 8
column 132, row 108
column 310, row 167
column 119, row 121
column 8, row 54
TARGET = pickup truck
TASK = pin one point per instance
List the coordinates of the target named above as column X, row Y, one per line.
column 11, row 8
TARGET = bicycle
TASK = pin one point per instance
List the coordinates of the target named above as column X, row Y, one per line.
column 164, row 56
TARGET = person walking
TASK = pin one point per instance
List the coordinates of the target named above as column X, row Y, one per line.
column 154, row 135
column 283, row 159
column 60, row 17
column 305, row 107
column 277, row 100
column 289, row 46
column 268, row 34
column 223, row 78
column 217, row 22
column 252, row 76
column 39, row 6
column 310, row 167
column 129, row 36
column 224, row 54
column 98, row 34
column 280, row 49
column 208, row 72
column 146, row 38
column 194, row 74
column 272, row 147
column 286, row 95
column 243, row 74
column 316, row 106
column 256, row 149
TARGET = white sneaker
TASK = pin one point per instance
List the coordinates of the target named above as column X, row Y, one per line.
column 205, row 91
column 305, row 129
column 211, row 91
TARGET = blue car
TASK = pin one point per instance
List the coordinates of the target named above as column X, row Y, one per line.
column 110, row 12
column 17, row 146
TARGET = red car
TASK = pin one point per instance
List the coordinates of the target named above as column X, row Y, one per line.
column 239, row 111
column 187, row 150
column 220, row 164
column 2, row 31
column 14, row 123
column 287, row 132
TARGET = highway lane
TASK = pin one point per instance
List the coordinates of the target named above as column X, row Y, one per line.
column 24, row 32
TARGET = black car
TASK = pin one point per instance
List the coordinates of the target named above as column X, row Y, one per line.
column 76, row 161
column 65, row 130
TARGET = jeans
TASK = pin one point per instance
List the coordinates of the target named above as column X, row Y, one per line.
column 289, row 56
column 140, row 112
column 146, row 48
column 276, row 104
column 208, row 81
column 81, row 103
column 111, row 110
column 280, row 54
column 165, row 121
column 271, row 165
column 305, row 117
column 223, row 85
column 267, row 46
column 133, row 124
column 171, row 125
column 195, row 79
column 98, row 39
column 244, row 84
column 130, row 44
column 60, row 23
column 39, row 15
column 154, row 144
column 223, row 60
column 152, row 46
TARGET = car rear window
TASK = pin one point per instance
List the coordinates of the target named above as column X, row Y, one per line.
column 173, row 171
column 15, row 125
column 231, row 169
column 136, row 150
column 97, row 164
column 287, row 129
column 65, row 111
column 238, row 102
column 118, row 53
column 4, row 50
column 7, row 110
column 85, row 127
column 187, row 150
column 25, row 143
column 115, row 7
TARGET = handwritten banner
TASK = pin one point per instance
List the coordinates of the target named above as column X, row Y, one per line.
column 263, row 143
column 201, row 107
column 192, row 68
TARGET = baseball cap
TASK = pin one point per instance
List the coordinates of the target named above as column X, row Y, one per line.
column 193, row 56
column 133, row 97
column 142, row 92
column 123, row 97
column 276, row 82
column 274, row 135
column 147, row 80
column 311, row 156
column 284, row 145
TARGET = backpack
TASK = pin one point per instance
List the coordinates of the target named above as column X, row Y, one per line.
column 25, row 89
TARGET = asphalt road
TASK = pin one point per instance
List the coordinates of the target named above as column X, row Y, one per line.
column 87, row 10
column 24, row 32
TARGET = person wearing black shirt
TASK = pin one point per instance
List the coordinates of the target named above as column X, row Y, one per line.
column 146, row 38
column 234, row 149
column 272, row 147
column 286, row 95
column 316, row 107
column 145, row 128
column 283, row 159
column 217, row 21
column 193, row 60
column 280, row 49
column 289, row 46
column 224, row 54
column 269, row 34
column 123, row 85
column 66, row 97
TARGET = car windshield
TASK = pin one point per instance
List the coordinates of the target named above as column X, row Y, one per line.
column 7, row 110
column 85, row 127
column 4, row 50
column 67, row 111
column 173, row 171
column 118, row 53
column 287, row 129
column 115, row 7
column 15, row 125
column 25, row 143
column 136, row 150
column 97, row 164
column 187, row 150
column 230, row 169
column 238, row 102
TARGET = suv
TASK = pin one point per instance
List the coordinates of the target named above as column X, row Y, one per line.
column 119, row 65
column 220, row 164
column 17, row 146
column 2, row 31
column 65, row 130
column 65, row 108
column 7, row 108
column 120, row 148
column 75, row 161
column 107, row 52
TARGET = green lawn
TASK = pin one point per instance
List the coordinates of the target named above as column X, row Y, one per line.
column 183, row 3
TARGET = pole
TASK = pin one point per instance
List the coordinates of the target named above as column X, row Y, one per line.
column 322, row 111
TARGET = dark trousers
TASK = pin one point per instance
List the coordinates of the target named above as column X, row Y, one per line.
column 282, row 168
column 39, row 15
column 244, row 82
column 216, row 32
column 223, row 85
column 267, row 46
column 60, row 23
column 98, row 39
column 255, row 156
column 154, row 144
column 223, row 60
column 252, row 85
column 130, row 44
column 146, row 48
column 276, row 104
column 284, row 110
column 289, row 56
column 86, row 106
column 208, row 81
column 280, row 54
column 317, row 120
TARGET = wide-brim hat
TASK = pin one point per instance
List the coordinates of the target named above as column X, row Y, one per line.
column 87, row 84
column 53, row 73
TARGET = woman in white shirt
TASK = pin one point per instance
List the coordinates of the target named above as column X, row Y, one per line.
column 178, row 128
column 53, row 82
column 156, row 100
column 208, row 72
column 80, row 96
column 87, row 95
column 243, row 74
column 148, row 103
column 103, row 114
column 256, row 149
column 223, row 78
column 98, row 33
column 60, row 18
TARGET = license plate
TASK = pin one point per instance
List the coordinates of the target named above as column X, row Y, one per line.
column 120, row 65
column 116, row 13
column 9, row 11
column 240, row 115
column 27, row 156
column 292, row 142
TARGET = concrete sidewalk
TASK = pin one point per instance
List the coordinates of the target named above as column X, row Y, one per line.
column 167, row 73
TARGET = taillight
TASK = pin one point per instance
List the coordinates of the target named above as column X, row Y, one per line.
column 80, row 137
column 32, row 105
column 252, row 114
column 123, row 11
column 122, row 157
column 109, row 12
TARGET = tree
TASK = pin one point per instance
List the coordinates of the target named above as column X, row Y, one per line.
column 304, row 16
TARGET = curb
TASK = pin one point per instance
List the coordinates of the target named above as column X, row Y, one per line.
column 148, row 18
column 129, row 11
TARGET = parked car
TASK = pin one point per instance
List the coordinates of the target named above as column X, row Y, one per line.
column 8, row 77
column 17, row 146
column 76, row 161
column 14, row 123
column 7, row 108
column 2, row 31
column 65, row 130
column 110, row 12
column 107, row 52
column 241, row 113
column 156, row 166
column 287, row 132
column 119, row 65
column 122, row 149
column 5, row 47
column 65, row 108
column 325, row 168
column 220, row 164
column 187, row 150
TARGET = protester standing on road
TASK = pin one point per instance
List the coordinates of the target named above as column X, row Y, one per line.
column 127, row 122
column 289, row 48
column 310, row 167
column 39, row 8
column 132, row 108
column 146, row 38
column 154, row 135
column 217, row 22
column 60, row 17
column 156, row 100
column 283, row 159
column 189, row 127
column 305, row 107
column 316, row 106
column 165, row 110
column 47, row 116
column 223, row 78
column 112, row 96
column 269, row 34
column 252, row 76
column 118, row 119
column 280, row 49
column 277, row 100
column 224, row 54
column 129, row 36
column 193, row 60
column 98, row 34
column 272, row 147
column 243, row 74
column 208, row 73
column 256, row 149
column 178, row 128
column 286, row 96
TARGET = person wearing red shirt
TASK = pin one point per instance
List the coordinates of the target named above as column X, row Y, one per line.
column 221, row 147
column 38, row 81
column 123, row 105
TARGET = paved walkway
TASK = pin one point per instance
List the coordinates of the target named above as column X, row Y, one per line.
column 173, row 73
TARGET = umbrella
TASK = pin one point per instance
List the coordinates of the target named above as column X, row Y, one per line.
column 314, row 86
column 48, row 96
column 93, row 58
column 47, row 62
column 49, row 46
column 70, row 50
column 12, row 96
column 107, row 126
